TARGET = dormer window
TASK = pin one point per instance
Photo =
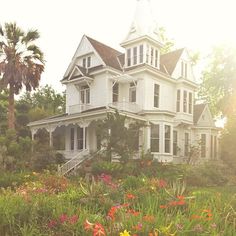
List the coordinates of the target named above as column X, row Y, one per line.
column 156, row 58
column 129, row 57
column 141, row 54
column 184, row 69
column 87, row 62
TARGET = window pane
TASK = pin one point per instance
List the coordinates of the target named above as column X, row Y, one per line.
column 72, row 138
column 155, row 138
column 185, row 102
column 178, row 101
column 167, row 138
column 135, row 55
column 152, row 55
column 115, row 92
column 186, row 144
column 156, row 95
column 141, row 54
column 203, row 145
column 87, row 96
column 128, row 57
column 82, row 99
column 80, row 138
column 175, row 142
column 156, row 58
column 84, row 62
column 190, row 104
column 88, row 62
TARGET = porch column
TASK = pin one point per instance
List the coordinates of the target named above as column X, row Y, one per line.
column 50, row 130
column 148, row 137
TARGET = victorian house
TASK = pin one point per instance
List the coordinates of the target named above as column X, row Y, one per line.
column 142, row 84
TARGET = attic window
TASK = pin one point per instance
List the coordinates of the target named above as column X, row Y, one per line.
column 184, row 69
column 86, row 62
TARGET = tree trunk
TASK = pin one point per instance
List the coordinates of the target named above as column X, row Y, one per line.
column 11, row 109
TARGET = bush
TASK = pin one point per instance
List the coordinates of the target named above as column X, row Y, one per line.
column 106, row 167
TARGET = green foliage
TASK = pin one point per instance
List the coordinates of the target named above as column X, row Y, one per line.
column 218, row 86
column 106, row 167
column 117, row 138
column 168, row 43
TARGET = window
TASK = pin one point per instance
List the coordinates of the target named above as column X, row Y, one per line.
column 186, row 144
column 152, row 55
column 147, row 54
column 190, row 103
column 132, row 92
column 80, row 138
column 115, row 92
column 156, row 58
column 184, row 69
column 167, row 138
column 88, row 62
column 84, row 62
column 156, row 95
column 129, row 57
column 135, row 55
column 141, row 54
column 185, row 102
column 203, row 145
column 212, row 148
column 72, row 138
column 155, row 138
column 85, row 94
column 215, row 146
column 175, row 142
column 178, row 100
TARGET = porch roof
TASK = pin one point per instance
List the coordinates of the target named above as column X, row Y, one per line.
column 84, row 117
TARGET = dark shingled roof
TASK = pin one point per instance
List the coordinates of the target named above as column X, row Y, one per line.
column 170, row 59
column 108, row 54
column 197, row 111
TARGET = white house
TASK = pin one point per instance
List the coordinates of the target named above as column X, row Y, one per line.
column 142, row 84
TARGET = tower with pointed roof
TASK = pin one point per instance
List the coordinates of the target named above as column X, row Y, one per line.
column 142, row 43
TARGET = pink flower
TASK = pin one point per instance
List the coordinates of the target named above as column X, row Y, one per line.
column 63, row 218
column 73, row 219
column 52, row 224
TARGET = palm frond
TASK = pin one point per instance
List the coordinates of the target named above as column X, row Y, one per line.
column 1, row 30
column 37, row 53
column 31, row 36
column 13, row 33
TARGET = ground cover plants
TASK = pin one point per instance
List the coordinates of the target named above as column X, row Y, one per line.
column 47, row 204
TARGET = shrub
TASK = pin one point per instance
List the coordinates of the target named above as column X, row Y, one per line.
column 106, row 167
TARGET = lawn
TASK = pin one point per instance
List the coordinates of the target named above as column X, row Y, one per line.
column 47, row 204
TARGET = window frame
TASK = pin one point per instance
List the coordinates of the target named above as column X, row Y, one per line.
column 115, row 92
column 175, row 142
column 85, row 94
column 203, row 146
column 155, row 138
column 178, row 100
column 167, row 139
column 190, row 103
column 186, row 144
column 185, row 101
column 156, row 96
column 132, row 90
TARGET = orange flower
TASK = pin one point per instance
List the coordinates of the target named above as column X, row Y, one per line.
column 87, row 225
column 133, row 212
column 163, row 206
column 149, row 218
column 130, row 196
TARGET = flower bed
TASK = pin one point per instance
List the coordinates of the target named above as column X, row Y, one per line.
column 53, row 205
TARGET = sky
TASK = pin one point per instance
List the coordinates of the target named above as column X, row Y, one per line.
column 196, row 24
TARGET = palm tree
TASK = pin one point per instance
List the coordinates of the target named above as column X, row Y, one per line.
column 21, row 63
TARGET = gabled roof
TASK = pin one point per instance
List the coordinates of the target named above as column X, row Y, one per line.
column 170, row 59
column 197, row 112
column 108, row 54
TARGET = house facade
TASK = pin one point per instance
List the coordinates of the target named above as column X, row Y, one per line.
column 142, row 84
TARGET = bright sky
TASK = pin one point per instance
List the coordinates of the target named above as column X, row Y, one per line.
column 195, row 24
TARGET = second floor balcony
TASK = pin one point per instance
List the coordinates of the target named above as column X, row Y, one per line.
column 120, row 106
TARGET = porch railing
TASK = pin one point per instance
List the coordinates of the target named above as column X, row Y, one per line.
column 73, row 163
column 126, row 106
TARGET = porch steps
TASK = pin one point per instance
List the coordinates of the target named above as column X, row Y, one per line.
column 73, row 163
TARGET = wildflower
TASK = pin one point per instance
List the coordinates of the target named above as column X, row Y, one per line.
column 162, row 183
column 130, row 196
column 149, row 218
column 73, row 219
column 87, row 225
column 163, row 206
column 98, row 230
column 125, row 233
column 138, row 226
column 52, row 224
column 63, row 218
column 133, row 212
column 196, row 217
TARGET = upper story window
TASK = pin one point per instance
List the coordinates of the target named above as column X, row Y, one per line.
column 85, row 94
column 87, row 62
column 141, row 54
column 156, row 95
column 132, row 92
column 185, row 102
column 190, row 103
column 152, row 56
column 184, row 69
column 203, row 145
column 155, row 138
column 129, row 57
column 178, row 100
column 135, row 56
column 147, row 54
column 115, row 92
column 156, row 58
column 167, row 138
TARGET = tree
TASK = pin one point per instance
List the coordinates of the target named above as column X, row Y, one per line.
column 168, row 43
column 219, row 81
column 21, row 63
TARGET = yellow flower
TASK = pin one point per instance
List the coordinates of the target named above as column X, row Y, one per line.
column 125, row 233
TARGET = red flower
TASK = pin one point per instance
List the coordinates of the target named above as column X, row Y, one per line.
column 130, row 196
column 133, row 212
column 52, row 224
column 73, row 219
column 163, row 206
column 63, row 218
column 98, row 230
column 162, row 183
